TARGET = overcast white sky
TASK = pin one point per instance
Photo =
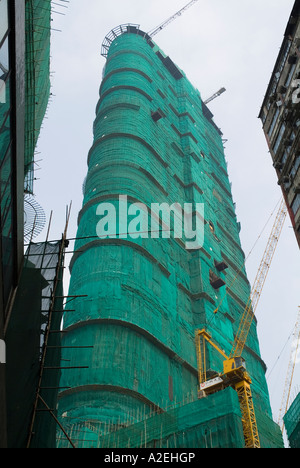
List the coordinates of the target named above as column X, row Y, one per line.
column 232, row 43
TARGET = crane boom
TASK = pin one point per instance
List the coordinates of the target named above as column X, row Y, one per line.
column 234, row 369
column 214, row 96
column 234, row 375
column 290, row 374
column 172, row 18
column 259, row 282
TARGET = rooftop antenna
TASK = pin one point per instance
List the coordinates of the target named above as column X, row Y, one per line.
column 172, row 18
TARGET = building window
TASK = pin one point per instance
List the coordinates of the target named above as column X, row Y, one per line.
column 157, row 115
column 271, row 129
column 296, row 204
column 286, row 52
column 295, row 167
column 290, row 76
column 280, row 68
column 279, row 138
column 285, row 156
column 264, row 117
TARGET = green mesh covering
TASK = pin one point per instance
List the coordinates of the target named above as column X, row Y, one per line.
column 38, row 32
column 292, row 423
column 202, row 423
column 139, row 301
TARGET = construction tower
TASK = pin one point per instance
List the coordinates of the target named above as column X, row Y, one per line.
column 140, row 289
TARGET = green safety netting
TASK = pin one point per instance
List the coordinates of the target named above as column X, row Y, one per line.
column 37, row 78
column 292, row 423
column 212, row 422
column 137, row 302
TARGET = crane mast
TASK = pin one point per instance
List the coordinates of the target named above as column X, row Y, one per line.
column 249, row 312
column 171, row 19
column 234, row 367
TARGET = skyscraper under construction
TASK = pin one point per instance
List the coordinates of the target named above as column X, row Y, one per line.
column 137, row 301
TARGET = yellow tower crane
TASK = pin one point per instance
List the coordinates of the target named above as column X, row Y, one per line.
column 234, row 368
column 171, row 19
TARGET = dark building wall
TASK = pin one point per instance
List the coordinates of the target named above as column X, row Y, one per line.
column 25, row 83
column 280, row 115
column 12, row 57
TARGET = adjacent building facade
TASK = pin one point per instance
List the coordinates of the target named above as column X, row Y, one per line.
column 24, row 94
column 12, row 114
column 292, row 423
column 280, row 115
column 137, row 295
